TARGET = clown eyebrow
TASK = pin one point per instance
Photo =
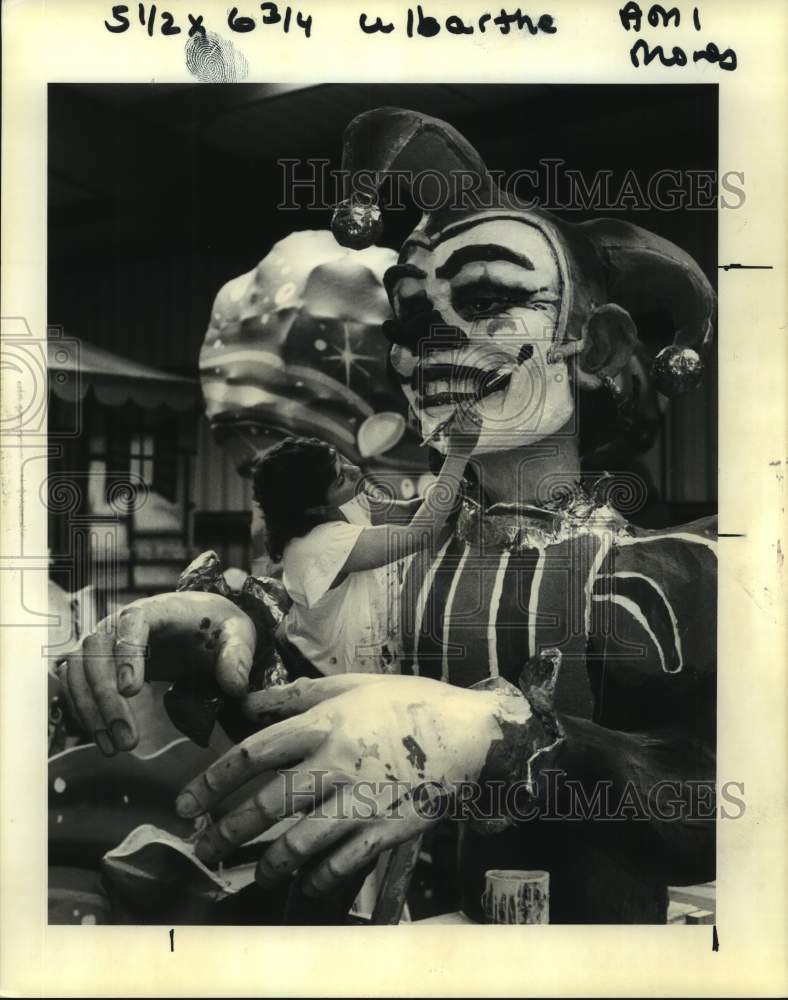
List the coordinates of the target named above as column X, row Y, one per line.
column 400, row 271
column 483, row 252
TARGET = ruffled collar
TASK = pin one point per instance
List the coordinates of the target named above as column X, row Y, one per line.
column 576, row 509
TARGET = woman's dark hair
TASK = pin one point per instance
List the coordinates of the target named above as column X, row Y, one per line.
column 288, row 479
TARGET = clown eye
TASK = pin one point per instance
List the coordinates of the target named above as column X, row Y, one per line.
column 485, row 298
column 483, row 307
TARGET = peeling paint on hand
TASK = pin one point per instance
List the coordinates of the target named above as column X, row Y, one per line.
column 369, row 749
column 416, row 756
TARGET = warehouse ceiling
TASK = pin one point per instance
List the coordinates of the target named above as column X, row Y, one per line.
column 251, row 123
column 158, row 194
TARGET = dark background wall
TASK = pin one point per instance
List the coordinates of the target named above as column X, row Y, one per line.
column 160, row 194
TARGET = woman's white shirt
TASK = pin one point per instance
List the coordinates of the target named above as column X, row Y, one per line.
column 353, row 627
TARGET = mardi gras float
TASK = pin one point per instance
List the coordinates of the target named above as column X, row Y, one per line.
column 550, row 636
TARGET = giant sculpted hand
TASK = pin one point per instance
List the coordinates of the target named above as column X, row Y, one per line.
column 165, row 637
column 361, row 758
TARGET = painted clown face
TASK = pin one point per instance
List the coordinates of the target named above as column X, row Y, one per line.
column 477, row 321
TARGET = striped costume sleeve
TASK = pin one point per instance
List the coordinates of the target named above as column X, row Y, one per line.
column 652, row 666
column 653, row 630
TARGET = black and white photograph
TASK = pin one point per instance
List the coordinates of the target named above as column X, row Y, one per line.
column 386, row 541
column 392, row 499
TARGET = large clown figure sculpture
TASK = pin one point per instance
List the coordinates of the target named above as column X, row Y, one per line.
column 558, row 682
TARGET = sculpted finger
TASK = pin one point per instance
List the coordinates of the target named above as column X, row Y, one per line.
column 235, row 654
column 292, row 699
column 359, row 851
column 62, row 675
column 99, row 667
column 131, row 650
column 348, row 858
column 307, row 839
column 282, row 745
column 286, row 793
column 87, row 710
column 406, row 817
column 74, row 663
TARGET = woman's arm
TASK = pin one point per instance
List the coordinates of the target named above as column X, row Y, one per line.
column 392, row 511
column 386, row 543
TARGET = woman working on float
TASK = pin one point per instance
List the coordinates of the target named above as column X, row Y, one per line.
column 341, row 549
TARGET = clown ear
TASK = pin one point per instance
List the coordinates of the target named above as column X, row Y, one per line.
column 609, row 337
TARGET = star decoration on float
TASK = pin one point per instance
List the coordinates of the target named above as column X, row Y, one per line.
column 348, row 357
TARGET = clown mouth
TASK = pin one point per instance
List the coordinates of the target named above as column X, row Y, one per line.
column 496, row 382
column 448, row 384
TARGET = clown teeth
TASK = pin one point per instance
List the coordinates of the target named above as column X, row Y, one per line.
column 436, row 388
column 479, row 384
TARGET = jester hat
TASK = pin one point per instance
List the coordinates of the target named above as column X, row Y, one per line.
column 601, row 262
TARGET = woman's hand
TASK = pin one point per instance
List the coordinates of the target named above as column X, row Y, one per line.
column 164, row 638
column 364, row 760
